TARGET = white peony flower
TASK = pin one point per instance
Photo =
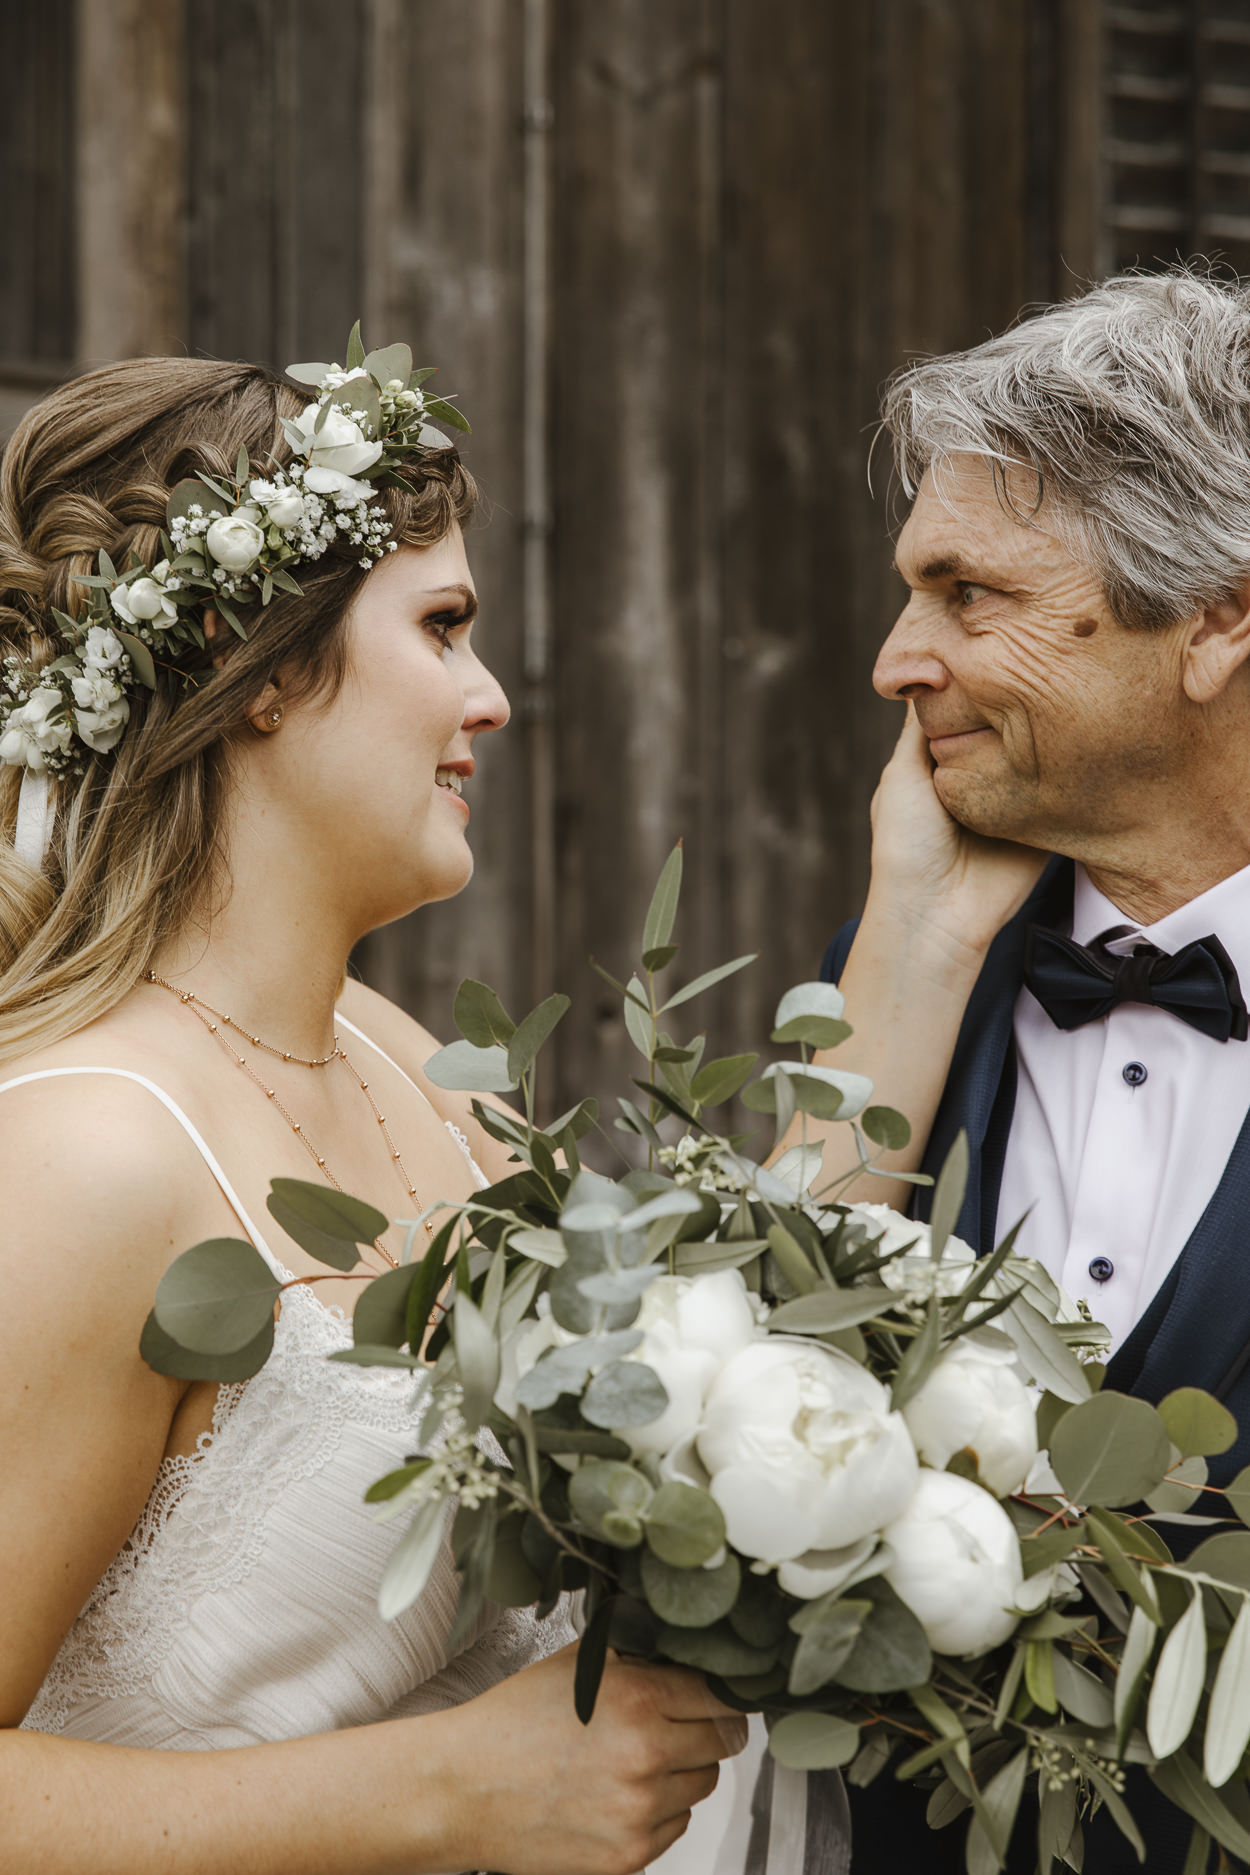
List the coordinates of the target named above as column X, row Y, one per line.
column 955, row 1561
column 95, row 690
column 235, row 541
column 975, row 1398
column 33, row 731
column 343, row 488
column 101, row 729
column 103, row 650
column 803, row 1450
column 915, row 1274
column 339, row 444
column 691, row 1325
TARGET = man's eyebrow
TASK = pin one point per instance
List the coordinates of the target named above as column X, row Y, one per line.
column 952, row 566
column 463, row 595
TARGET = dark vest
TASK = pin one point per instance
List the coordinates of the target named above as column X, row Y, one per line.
column 1195, row 1332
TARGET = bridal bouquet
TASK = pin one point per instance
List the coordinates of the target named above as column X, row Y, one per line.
column 867, row 1483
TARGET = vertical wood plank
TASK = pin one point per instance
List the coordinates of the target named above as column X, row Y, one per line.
column 275, row 183
column 637, row 181
column 443, row 267
column 130, row 115
column 38, row 148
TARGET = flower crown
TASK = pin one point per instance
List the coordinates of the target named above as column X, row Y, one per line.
column 228, row 543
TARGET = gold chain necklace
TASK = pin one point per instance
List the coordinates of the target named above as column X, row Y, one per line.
column 203, row 1012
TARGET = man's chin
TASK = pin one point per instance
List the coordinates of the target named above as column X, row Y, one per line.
column 982, row 807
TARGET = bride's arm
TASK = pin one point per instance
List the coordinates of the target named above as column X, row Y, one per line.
column 938, row 896
column 94, row 1210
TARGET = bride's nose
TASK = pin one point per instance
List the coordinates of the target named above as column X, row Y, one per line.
column 486, row 705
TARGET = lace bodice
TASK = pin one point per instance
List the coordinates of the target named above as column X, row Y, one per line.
column 243, row 1606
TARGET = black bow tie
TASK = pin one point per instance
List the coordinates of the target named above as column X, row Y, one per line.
column 1077, row 983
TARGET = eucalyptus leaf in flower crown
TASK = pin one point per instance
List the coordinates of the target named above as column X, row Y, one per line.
column 868, row 1483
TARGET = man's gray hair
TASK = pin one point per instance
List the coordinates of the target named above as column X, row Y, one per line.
column 1131, row 409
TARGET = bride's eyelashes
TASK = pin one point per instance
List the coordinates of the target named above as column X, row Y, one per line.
column 441, row 625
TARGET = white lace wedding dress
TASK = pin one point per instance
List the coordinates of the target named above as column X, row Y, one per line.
column 242, row 1608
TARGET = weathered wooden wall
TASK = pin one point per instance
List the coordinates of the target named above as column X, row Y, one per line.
column 667, row 250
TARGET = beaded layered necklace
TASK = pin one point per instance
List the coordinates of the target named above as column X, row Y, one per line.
column 216, row 1022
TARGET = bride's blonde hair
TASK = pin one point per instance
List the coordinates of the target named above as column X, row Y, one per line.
column 135, row 848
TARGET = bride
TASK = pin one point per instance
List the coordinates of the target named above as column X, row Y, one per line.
column 203, row 815
column 189, row 1569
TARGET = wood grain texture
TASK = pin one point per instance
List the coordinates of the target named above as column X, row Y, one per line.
column 667, row 251
column 38, row 274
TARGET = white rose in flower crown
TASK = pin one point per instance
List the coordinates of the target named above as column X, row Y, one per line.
column 344, row 490
column 340, row 443
column 33, row 731
column 691, row 1325
column 103, row 650
column 915, row 1274
column 235, row 541
column 955, row 1561
column 975, row 1399
column 145, row 599
column 283, row 505
column 803, row 1450
column 95, row 690
column 101, row 729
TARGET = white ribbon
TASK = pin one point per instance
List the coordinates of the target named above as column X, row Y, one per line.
column 34, row 819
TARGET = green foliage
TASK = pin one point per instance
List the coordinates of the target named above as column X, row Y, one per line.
column 1110, row 1450
column 948, row 1195
column 685, row 1527
column 167, row 1356
column 886, row 1128
column 217, row 1297
column 1198, row 1426
column 480, row 1016
column 327, row 1224
column 813, row 1741
column 463, row 1067
column 662, row 911
column 690, row 1598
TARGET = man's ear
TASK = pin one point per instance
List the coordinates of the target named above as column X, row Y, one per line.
column 1218, row 646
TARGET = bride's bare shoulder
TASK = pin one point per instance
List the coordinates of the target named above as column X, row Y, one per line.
column 87, row 1151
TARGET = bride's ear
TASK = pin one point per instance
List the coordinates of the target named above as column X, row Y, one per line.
column 266, row 713
column 215, row 633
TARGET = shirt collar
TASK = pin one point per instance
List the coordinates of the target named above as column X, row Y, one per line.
column 1222, row 911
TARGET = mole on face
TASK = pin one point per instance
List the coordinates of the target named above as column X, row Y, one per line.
column 1085, row 628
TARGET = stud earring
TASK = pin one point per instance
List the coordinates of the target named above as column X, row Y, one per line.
column 272, row 718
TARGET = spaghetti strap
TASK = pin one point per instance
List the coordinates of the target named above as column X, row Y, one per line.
column 479, row 1176
column 369, row 1042
column 193, row 1134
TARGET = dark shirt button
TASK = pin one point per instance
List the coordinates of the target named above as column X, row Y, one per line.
column 1134, row 1072
column 1102, row 1269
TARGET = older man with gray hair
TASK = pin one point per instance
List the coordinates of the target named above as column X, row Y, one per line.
column 1075, row 649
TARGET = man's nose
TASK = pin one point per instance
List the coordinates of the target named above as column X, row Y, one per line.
column 907, row 663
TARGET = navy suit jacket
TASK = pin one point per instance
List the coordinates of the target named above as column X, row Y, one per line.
column 1195, row 1332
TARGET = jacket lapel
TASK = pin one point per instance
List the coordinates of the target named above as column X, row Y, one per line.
column 981, row 1086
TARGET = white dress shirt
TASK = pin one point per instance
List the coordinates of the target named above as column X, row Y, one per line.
column 1122, row 1128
